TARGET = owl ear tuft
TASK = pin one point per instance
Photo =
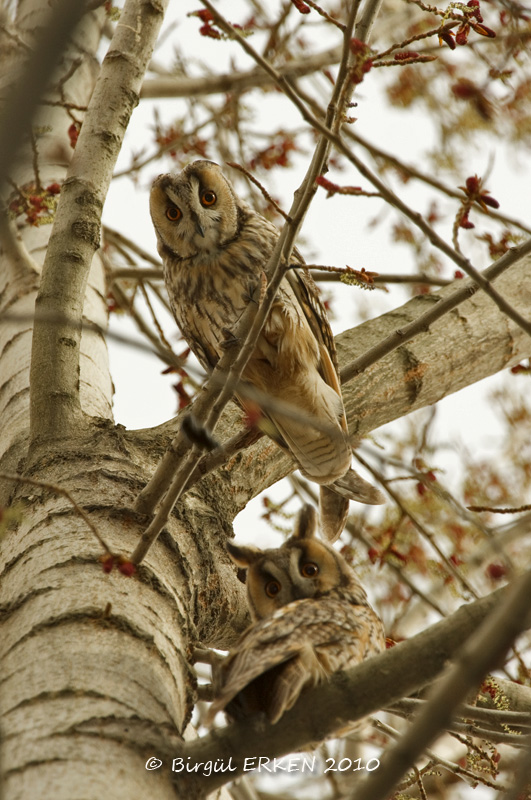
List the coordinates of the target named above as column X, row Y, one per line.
column 306, row 525
column 243, row 556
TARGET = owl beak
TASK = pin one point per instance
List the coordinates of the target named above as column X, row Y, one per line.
column 199, row 228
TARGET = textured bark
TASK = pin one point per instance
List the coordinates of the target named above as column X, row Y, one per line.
column 56, row 408
column 23, row 248
column 96, row 668
column 470, row 343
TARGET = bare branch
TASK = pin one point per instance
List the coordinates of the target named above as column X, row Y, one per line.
column 483, row 652
column 239, row 82
column 54, row 399
column 423, row 322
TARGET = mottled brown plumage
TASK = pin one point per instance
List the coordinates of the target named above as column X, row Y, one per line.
column 214, row 248
column 311, row 619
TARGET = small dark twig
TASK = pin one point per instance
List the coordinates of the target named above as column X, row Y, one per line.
column 262, row 188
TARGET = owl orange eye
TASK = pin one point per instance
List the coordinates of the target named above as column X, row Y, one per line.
column 309, row 570
column 208, row 198
column 272, row 588
column 173, row 213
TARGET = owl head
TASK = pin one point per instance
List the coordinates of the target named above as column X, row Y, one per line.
column 303, row 567
column 195, row 212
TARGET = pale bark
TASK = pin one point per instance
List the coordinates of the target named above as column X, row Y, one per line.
column 56, row 409
column 24, row 247
column 96, row 668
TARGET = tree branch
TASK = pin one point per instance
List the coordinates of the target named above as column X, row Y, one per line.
column 54, row 400
column 484, row 651
column 239, row 82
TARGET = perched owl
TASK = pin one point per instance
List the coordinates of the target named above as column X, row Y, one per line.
column 214, row 248
column 310, row 616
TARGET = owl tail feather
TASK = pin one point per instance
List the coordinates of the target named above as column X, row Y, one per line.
column 334, row 501
column 333, row 512
column 355, row 487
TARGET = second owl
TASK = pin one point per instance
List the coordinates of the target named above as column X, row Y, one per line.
column 311, row 618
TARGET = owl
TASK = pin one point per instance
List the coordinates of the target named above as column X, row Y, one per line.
column 310, row 617
column 214, row 248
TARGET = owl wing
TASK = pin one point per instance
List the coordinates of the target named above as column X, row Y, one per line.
column 299, row 646
column 334, row 496
column 291, row 363
column 307, row 294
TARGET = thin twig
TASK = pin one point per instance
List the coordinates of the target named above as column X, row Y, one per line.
column 427, row 534
column 64, row 493
column 262, row 188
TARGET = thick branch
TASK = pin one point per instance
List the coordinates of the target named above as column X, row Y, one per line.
column 55, row 404
column 184, row 86
column 471, row 342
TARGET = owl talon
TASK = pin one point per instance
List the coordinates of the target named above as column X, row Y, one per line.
column 229, row 339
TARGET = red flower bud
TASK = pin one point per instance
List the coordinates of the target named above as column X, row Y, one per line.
column 448, row 38
column 301, row 7
column 464, row 222
column 357, row 46
column 127, row 568
column 204, row 15
column 406, row 55
column 107, row 562
column 472, row 184
column 73, row 134
column 483, row 30
column 496, row 571
column 208, row 30
column 489, row 201
column 461, row 37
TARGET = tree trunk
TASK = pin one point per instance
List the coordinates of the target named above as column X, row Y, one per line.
column 96, row 667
